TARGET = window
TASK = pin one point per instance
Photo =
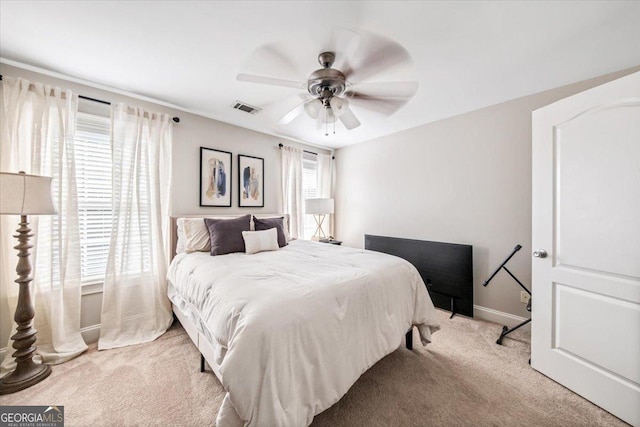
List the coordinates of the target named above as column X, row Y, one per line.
column 93, row 177
column 309, row 190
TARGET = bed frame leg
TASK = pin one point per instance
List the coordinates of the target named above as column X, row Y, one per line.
column 201, row 363
column 409, row 339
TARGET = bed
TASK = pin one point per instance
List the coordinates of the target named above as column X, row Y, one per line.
column 288, row 332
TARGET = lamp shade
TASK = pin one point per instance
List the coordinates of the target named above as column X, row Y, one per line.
column 339, row 105
column 22, row 194
column 313, row 108
column 318, row 206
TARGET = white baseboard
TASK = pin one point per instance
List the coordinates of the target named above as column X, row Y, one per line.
column 499, row 317
column 90, row 334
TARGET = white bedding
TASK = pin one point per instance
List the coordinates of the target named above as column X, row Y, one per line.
column 295, row 328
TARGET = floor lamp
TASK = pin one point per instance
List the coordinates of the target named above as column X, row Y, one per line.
column 319, row 208
column 22, row 194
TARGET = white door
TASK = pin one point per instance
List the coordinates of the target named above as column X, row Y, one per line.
column 585, row 332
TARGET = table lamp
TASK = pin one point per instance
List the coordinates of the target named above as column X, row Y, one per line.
column 22, row 194
column 319, row 208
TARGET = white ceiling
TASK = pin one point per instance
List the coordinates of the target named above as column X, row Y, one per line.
column 466, row 55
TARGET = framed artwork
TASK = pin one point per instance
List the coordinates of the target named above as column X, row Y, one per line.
column 215, row 177
column 251, row 181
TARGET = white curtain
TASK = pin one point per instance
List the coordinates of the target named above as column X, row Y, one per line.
column 292, row 189
column 135, row 307
column 325, row 186
column 37, row 136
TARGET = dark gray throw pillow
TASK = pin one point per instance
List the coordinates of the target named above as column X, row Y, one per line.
column 226, row 234
column 267, row 223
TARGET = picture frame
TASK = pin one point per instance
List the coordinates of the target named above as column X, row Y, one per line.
column 215, row 177
column 250, row 181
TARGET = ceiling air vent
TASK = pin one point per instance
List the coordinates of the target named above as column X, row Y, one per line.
column 246, row 108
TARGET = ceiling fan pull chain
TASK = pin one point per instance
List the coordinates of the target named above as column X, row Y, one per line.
column 326, row 123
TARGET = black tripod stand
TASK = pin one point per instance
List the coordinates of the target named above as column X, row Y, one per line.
column 506, row 330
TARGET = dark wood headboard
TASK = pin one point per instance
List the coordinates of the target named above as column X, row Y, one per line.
column 445, row 268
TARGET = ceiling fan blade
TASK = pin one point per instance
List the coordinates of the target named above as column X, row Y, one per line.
column 273, row 59
column 348, row 119
column 297, row 110
column 344, row 42
column 384, row 106
column 383, row 90
column 252, row 78
column 376, row 54
column 286, row 104
column 291, row 115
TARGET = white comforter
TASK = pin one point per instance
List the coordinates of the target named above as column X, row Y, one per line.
column 298, row 326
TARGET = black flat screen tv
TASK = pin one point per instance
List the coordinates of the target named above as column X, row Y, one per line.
column 445, row 268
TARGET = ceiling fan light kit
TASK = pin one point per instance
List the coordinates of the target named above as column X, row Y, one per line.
column 313, row 108
column 326, row 85
column 339, row 105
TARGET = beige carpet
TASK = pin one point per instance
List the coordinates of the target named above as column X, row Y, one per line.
column 462, row 379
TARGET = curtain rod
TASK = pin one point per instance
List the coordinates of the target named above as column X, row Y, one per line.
column 305, row 151
column 175, row 119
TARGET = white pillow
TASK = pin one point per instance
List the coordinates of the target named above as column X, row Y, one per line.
column 181, row 239
column 259, row 241
column 196, row 235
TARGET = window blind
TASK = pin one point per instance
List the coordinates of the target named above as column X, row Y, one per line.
column 309, row 189
column 93, row 177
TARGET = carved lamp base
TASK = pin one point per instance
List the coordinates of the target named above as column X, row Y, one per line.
column 25, row 375
column 27, row 372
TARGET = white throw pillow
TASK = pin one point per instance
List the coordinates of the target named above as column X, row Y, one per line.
column 259, row 241
column 196, row 235
column 181, row 239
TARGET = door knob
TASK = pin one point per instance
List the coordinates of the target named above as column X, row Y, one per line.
column 540, row 253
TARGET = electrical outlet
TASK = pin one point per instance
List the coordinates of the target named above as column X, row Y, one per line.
column 524, row 297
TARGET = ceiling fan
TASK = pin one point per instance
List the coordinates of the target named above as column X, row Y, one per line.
column 330, row 93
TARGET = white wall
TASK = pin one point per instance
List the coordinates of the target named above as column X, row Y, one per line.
column 466, row 179
column 188, row 136
column 194, row 132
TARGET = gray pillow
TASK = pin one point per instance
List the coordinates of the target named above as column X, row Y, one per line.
column 226, row 234
column 267, row 223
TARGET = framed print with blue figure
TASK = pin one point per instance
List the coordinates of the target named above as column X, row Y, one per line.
column 251, row 181
column 215, row 177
